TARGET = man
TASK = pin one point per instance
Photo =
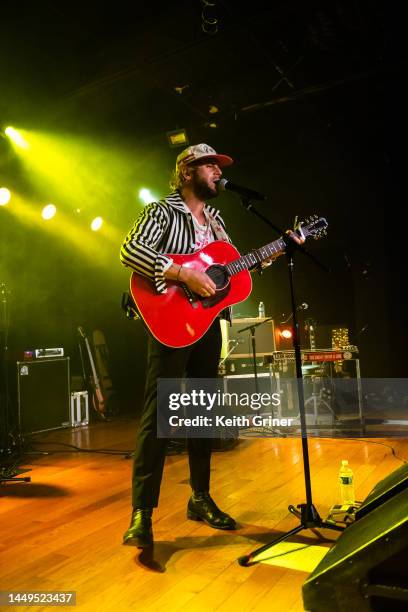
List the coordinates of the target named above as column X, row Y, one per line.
column 181, row 223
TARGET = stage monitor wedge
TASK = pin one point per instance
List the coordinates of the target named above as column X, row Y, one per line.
column 367, row 567
column 385, row 489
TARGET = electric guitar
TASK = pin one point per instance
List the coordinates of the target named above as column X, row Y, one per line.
column 180, row 317
column 98, row 400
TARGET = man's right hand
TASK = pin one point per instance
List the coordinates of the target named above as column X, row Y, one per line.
column 197, row 281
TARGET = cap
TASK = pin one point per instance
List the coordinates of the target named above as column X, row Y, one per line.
column 200, row 152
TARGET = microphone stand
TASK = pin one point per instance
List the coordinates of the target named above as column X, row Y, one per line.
column 7, row 474
column 306, row 513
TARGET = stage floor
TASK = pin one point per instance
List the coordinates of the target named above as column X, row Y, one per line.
column 63, row 530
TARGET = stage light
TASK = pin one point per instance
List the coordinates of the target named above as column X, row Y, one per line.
column 96, row 224
column 16, row 137
column 286, row 333
column 177, row 138
column 5, row 196
column 146, row 196
column 48, row 212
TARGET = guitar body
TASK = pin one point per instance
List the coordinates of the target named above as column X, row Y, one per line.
column 179, row 318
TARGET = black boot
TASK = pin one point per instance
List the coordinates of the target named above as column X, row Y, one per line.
column 201, row 507
column 140, row 532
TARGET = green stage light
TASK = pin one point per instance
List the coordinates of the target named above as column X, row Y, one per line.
column 16, row 137
column 146, row 196
column 5, row 196
column 96, row 224
column 48, row 212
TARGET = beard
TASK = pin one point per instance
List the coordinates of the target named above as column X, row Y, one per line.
column 203, row 190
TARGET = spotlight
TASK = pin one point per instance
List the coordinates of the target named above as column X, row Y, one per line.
column 146, row 196
column 286, row 333
column 5, row 196
column 96, row 224
column 48, row 212
column 16, row 137
column 177, row 138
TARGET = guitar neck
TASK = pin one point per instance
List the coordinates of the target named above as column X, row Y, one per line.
column 256, row 257
column 94, row 374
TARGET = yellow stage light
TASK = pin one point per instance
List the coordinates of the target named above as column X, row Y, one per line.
column 146, row 196
column 16, row 137
column 48, row 212
column 96, row 224
column 5, row 196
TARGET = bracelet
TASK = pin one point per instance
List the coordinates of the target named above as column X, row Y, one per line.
column 178, row 273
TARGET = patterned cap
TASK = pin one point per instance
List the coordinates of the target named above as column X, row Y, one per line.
column 202, row 151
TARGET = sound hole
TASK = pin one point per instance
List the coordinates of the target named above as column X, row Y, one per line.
column 218, row 275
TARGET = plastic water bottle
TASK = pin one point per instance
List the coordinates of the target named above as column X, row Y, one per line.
column 346, row 480
column 261, row 310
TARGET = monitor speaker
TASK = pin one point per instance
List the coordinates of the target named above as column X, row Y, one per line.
column 366, row 569
column 385, row 489
column 43, row 388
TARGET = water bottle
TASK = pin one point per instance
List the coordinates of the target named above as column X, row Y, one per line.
column 261, row 310
column 346, row 480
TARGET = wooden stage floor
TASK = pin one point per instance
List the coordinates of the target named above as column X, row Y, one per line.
column 63, row 531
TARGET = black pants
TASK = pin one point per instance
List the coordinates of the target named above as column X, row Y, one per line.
column 199, row 360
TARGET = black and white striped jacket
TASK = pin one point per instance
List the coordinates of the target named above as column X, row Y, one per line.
column 164, row 227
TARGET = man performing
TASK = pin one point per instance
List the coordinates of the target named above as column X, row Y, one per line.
column 181, row 223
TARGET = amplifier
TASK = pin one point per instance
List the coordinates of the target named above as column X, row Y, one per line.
column 244, row 365
column 43, row 388
column 238, row 343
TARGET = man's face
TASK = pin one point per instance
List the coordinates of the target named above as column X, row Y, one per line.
column 204, row 178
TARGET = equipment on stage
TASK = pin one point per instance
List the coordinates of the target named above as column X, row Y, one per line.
column 99, row 400
column 390, row 486
column 43, row 388
column 366, row 569
column 48, row 352
column 233, row 336
column 306, row 512
column 10, row 438
column 179, row 317
column 331, row 379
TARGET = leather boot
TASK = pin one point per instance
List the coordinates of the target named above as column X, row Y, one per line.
column 201, row 507
column 140, row 532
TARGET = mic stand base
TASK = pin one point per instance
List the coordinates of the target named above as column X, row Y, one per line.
column 309, row 519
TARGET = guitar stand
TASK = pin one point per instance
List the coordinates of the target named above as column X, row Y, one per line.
column 306, row 513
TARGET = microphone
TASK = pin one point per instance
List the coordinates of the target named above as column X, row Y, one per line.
column 226, row 185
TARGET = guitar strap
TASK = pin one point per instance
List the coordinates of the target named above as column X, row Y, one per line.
column 218, row 230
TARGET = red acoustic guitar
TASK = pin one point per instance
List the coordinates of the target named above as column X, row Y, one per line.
column 179, row 317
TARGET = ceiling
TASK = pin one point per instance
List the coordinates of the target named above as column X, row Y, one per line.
column 150, row 67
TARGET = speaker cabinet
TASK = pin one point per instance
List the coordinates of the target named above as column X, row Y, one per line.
column 232, row 336
column 367, row 567
column 43, row 388
column 385, row 489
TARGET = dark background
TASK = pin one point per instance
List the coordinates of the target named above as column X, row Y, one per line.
column 301, row 92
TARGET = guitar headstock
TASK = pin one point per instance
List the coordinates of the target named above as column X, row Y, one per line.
column 314, row 226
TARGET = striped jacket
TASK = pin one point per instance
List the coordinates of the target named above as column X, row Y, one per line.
column 164, row 227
